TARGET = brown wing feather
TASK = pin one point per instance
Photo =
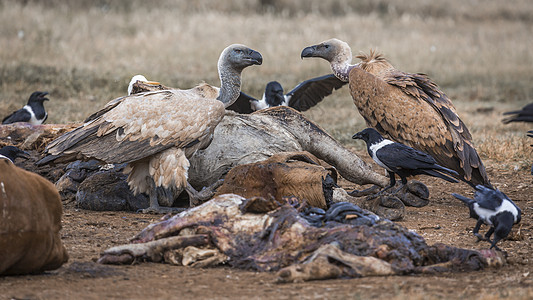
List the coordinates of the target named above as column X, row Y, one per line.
column 410, row 109
column 141, row 125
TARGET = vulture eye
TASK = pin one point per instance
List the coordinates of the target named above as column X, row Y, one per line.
column 326, row 46
column 239, row 51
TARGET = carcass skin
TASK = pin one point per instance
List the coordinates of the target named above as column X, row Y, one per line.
column 281, row 240
column 241, row 139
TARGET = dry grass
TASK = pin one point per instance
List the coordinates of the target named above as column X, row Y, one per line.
column 84, row 52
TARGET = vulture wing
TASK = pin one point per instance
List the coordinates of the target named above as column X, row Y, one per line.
column 20, row 115
column 410, row 109
column 523, row 115
column 242, row 104
column 109, row 106
column 141, row 125
column 310, row 92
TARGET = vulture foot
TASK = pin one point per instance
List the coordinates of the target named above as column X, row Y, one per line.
column 161, row 210
column 196, row 198
column 414, row 193
column 385, row 205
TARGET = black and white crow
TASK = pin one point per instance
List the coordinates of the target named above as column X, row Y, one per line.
column 400, row 159
column 493, row 208
column 33, row 112
column 304, row 96
column 12, row 152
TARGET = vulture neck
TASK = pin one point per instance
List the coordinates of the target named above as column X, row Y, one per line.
column 341, row 66
column 230, row 84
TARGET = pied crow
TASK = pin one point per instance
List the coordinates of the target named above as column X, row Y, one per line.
column 400, row 159
column 12, row 152
column 493, row 208
column 304, row 96
column 33, row 112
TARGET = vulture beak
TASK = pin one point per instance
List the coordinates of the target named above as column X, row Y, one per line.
column 255, row 57
column 308, row 52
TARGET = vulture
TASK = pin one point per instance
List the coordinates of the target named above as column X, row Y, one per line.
column 408, row 108
column 156, row 132
column 304, row 96
column 33, row 112
column 136, row 78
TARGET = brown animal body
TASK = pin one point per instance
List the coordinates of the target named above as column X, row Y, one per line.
column 286, row 174
column 408, row 108
column 30, row 221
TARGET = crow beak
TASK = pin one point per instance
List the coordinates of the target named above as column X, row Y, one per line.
column 357, row 136
column 23, row 154
column 308, row 52
column 255, row 57
column 42, row 96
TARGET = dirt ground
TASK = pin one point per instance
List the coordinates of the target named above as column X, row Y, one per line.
column 87, row 233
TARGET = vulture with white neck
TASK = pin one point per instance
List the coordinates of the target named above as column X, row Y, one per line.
column 409, row 108
column 156, row 133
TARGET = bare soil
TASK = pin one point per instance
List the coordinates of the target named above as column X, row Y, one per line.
column 445, row 219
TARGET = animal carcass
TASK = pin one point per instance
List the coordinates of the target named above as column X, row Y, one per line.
column 283, row 240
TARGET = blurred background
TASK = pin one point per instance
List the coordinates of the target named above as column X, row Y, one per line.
column 85, row 52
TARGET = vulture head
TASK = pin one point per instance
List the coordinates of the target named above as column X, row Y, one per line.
column 38, row 97
column 336, row 52
column 136, row 78
column 333, row 50
column 237, row 57
column 230, row 65
column 274, row 93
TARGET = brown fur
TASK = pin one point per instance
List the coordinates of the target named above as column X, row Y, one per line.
column 30, row 221
column 285, row 174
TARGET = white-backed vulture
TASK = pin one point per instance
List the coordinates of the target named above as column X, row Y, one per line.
column 33, row 112
column 136, row 78
column 409, row 108
column 156, row 132
column 305, row 95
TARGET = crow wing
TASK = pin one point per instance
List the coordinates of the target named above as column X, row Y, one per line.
column 523, row 115
column 20, row 115
column 242, row 104
column 400, row 156
column 310, row 92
